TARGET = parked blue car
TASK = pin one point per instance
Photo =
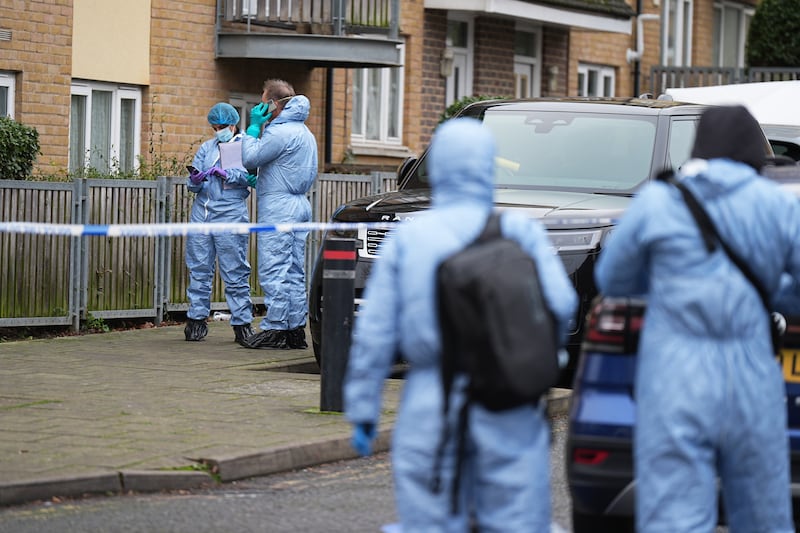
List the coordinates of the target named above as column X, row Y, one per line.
column 601, row 419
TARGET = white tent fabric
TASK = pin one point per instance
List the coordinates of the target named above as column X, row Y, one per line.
column 773, row 102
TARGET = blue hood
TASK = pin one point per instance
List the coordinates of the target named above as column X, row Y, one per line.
column 296, row 110
column 461, row 162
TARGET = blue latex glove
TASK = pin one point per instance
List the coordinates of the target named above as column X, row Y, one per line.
column 198, row 177
column 252, row 180
column 363, row 435
column 219, row 172
column 258, row 116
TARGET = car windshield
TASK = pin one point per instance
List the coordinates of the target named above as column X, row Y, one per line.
column 571, row 151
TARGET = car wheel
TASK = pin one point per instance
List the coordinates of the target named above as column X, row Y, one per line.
column 590, row 523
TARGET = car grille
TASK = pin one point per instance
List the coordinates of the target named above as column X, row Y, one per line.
column 372, row 239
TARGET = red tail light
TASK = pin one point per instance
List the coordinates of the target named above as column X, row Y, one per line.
column 589, row 456
column 615, row 324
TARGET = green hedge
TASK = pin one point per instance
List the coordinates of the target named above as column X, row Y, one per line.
column 774, row 37
column 453, row 109
column 19, row 146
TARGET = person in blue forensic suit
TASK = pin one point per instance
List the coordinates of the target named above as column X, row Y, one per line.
column 709, row 395
column 505, row 475
column 221, row 196
column 283, row 149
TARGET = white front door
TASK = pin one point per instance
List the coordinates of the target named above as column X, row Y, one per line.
column 457, row 82
column 524, row 80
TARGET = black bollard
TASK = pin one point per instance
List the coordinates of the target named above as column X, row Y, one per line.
column 338, row 293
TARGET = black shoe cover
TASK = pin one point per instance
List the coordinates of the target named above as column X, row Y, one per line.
column 270, row 338
column 195, row 330
column 240, row 333
column 296, row 338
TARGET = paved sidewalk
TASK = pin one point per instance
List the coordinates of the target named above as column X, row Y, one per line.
column 144, row 410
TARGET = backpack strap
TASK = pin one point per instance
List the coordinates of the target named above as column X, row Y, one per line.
column 711, row 236
column 448, row 366
column 491, row 230
column 461, row 443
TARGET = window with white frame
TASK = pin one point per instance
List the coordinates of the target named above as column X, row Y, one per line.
column 676, row 45
column 244, row 103
column 596, row 80
column 7, row 85
column 527, row 66
column 731, row 25
column 104, row 127
column 377, row 106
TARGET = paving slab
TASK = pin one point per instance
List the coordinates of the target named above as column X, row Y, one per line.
column 144, row 410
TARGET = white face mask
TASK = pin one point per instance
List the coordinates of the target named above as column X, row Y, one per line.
column 224, row 135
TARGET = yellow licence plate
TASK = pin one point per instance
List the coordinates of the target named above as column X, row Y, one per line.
column 790, row 361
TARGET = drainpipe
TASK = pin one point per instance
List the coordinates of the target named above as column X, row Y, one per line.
column 635, row 56
column 338, row 16
column 394, row 21
column 328, row 116
column 637, row 66
column 218, row 26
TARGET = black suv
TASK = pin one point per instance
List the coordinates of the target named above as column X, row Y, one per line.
column 572, row 163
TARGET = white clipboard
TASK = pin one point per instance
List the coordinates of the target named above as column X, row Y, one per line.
column 230, row 155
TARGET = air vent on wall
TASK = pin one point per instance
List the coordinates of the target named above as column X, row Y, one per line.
column 5, row 35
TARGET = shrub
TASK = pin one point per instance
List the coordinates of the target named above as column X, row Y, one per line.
column 19, row 146
column 453, row 109
column 774, row 37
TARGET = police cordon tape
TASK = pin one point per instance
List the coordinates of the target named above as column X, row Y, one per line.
column 186, row 228
column 180, row 229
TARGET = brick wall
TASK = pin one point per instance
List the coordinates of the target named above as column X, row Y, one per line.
column 433, row 85
column 415, row 98
column 605, row 49
column 555, row 61
column 702, row 37
column 494, row 57
column 186, row 80
column 413, row 27
column 39, row 54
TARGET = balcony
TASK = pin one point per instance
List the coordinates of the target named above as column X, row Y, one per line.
column 319, row 33
column 663, row 78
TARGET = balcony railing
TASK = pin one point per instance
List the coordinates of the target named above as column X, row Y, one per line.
column 663, row 78
column 334, row 17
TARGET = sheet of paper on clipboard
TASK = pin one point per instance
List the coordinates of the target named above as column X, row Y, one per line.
column 230, row 158
column 230, row 155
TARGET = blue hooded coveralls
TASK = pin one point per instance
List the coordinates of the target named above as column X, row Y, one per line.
column 219, row 200
column 505, row 477
column 709, row 394
column 286, row 158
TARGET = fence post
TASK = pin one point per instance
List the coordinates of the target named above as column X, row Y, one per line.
column 79, row 251
column 338, row 282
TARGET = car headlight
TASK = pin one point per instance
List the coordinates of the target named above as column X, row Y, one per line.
column 574, row 241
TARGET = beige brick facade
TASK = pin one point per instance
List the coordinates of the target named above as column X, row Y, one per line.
column 609, row 49
column 39, row 57
column 555, row 57
column 186, row 78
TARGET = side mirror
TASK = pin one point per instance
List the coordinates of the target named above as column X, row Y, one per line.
column 405, row 168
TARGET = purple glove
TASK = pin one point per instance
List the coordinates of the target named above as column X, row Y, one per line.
column 197, row 176
column 220, row 172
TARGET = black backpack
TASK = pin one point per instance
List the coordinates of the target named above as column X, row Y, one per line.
column 495, row 327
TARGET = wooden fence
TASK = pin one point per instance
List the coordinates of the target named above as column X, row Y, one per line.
column 61, row 280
